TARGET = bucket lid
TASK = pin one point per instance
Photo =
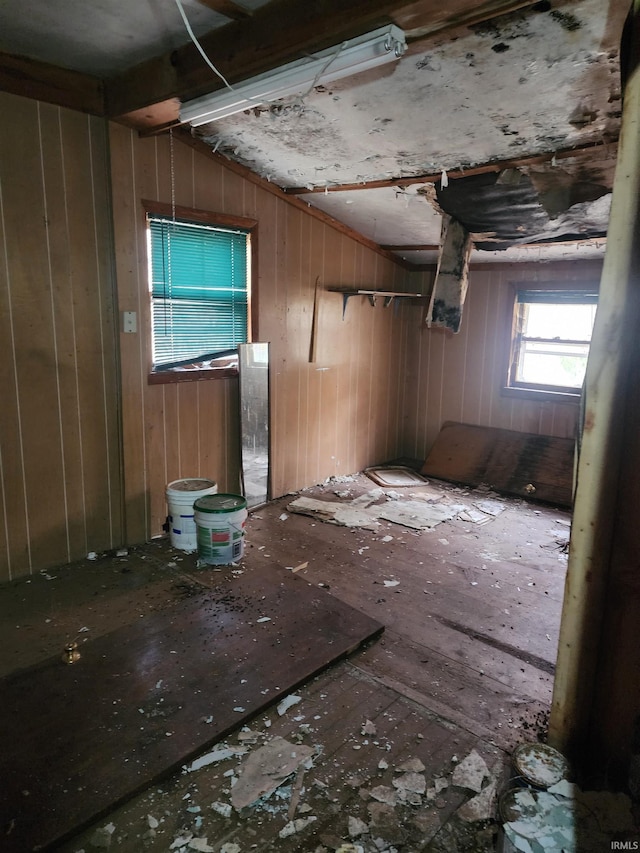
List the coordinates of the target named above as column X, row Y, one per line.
column 540, row 764
column 220, row 503
column 191, row 484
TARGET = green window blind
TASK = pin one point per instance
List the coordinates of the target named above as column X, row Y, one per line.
column 198, row 289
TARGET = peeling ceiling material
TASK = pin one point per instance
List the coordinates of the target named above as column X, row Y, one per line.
column 511, row 87
column 503, row 209
column 530, row 83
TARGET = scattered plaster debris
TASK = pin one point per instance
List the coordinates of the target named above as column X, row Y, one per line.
column 384, row 794
column 217, row 754
column 382, row 764
column 283, row 516
column 288, row 702
column 350, row 848
column 230, row 847
column 102, row 836
column 416, row 514
column 295, row 826
column 264, row 619
column 203, row 845
column 248, row 736
column 223, row 809
column 345, row 515
column 152, row 821
column 479, row 807
column 266, row 769
column 470, row 772
column 475, row 516
column 181, row 841
column 413, row 765
column 368, row 728
column 391, row 583
column 387, row 539
column 357, row 827
column 410, row 787
column 440, row 784
column 300, row 567
column 490, row 507
column 582, row 821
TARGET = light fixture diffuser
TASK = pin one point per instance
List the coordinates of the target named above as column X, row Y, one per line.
column 378, row 47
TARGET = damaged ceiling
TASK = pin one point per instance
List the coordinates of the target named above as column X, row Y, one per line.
column 504, row 115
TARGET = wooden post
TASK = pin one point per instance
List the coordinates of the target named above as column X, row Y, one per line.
column 610, row 376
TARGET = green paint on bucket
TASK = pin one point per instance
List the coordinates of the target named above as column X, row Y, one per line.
column 220, row 521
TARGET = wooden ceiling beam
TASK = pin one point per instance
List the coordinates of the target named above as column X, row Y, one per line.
column 466, row 172
column 227, row 8
column 51, row 84
column 279, row 32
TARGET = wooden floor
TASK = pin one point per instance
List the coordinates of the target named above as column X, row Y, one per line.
column 466, row 662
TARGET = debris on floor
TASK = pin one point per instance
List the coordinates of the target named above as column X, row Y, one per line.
column 394, row 476
column 266, row 769
column 470, row 772
column 363, row 512
column 566, row 818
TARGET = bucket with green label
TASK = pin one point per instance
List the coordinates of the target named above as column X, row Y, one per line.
column 220, row 521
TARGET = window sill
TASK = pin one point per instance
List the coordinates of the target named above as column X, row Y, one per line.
column 227, row 368
column 542, row 395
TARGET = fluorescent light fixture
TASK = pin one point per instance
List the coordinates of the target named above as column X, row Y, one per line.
column 378, row 47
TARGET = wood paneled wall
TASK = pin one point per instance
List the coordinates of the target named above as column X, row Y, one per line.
column 458, row 377
column 60, row 473
column 334, row 416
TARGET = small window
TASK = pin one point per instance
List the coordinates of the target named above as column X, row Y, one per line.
column 200, row 292
column 551, row 334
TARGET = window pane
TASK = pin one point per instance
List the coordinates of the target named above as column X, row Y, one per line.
column 567, row 322
column 558, row 364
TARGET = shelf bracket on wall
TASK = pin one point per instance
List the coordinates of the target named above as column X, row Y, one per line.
column 372, row 296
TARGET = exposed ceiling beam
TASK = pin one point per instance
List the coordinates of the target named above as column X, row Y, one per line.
column 49, row 83
column 227, row 8
column 467, row 172
column 279, row 32
column 419, row 247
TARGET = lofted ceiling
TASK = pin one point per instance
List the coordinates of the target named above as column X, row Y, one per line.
column 503, row 114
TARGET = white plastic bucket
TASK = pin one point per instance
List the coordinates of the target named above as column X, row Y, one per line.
column 181, row 495
column 220, row 521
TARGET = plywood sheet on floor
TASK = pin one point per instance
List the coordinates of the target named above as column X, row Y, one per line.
column 517, row 463
column 143, row 699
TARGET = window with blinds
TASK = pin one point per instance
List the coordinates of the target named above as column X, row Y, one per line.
column 199, row 290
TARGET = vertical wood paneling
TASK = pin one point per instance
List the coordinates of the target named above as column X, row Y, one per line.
column 332, row 416
column 459, row 377
column 59, row 430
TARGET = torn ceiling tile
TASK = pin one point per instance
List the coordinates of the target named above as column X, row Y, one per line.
column 499, row 211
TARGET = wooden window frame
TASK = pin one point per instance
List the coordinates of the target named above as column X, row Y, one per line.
column 222, row 220
column 524, row 391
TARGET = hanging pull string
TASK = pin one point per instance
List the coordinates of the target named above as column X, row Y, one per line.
column 193, row 38
column 259, row 101
column 173, row 176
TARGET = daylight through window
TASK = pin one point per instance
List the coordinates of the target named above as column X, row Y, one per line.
column 199, row 290
column 550, row 340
